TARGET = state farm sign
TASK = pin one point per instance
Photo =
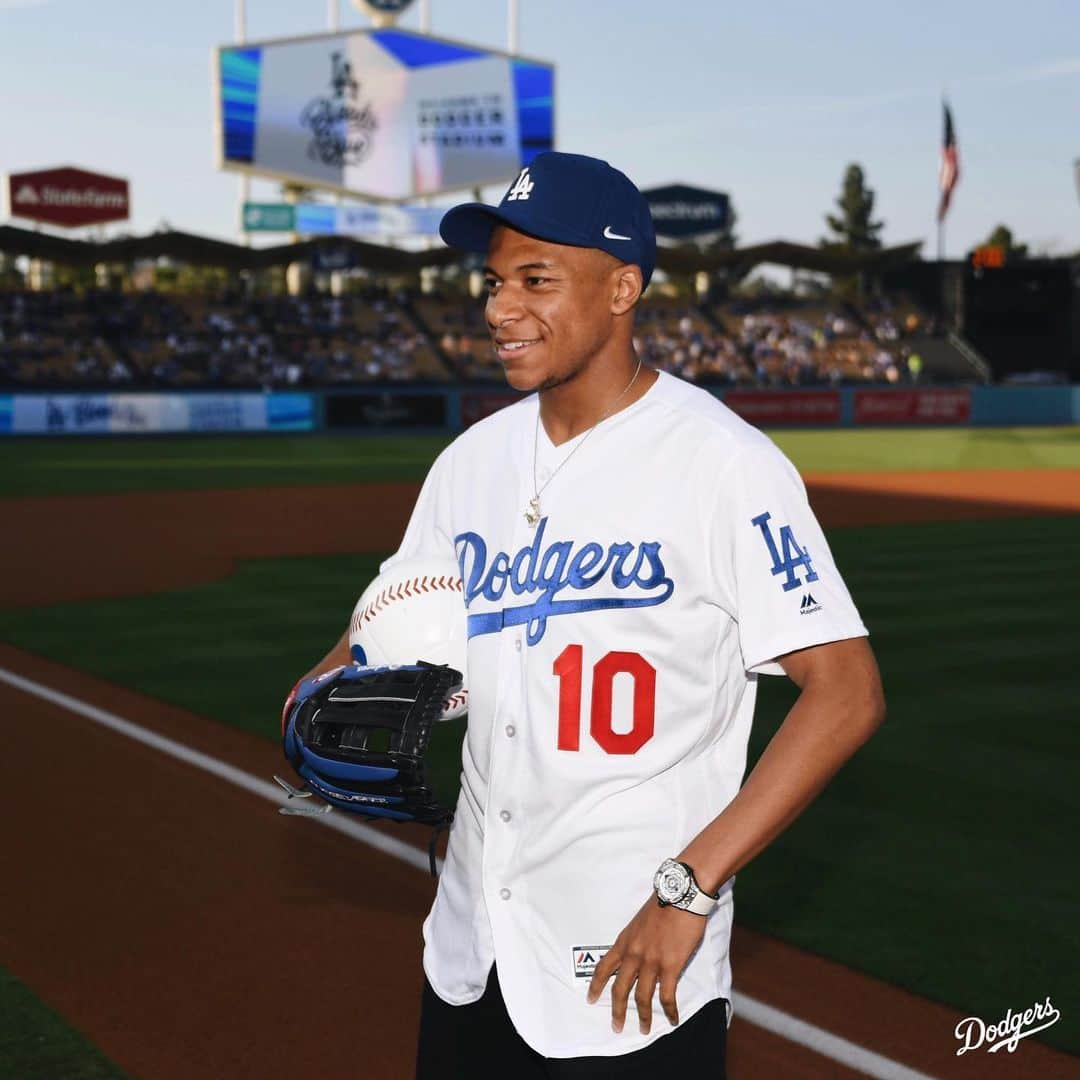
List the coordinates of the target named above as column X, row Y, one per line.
column 68, row 197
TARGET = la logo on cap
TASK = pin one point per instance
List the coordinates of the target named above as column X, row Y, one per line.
column 522, row 188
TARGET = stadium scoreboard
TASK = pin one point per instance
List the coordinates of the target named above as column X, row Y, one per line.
column 383, row 114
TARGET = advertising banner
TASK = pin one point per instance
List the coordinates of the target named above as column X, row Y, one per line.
column 385, row 113
column 926, row 406
column 318, row 219
column 269, row 217
column 386, row 409
column 763, row 407
column 476, row 404
column 679, row 210
column 150, row 414
column 68, row 196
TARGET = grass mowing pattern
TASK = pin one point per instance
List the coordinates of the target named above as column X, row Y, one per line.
column 229, row 650
column 938, row 858
column 36, row 1044
column 60, row 466
column 82, row 466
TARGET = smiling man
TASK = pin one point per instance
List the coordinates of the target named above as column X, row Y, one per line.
column 633, row 556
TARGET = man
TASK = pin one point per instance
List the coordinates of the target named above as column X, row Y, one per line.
column 632, row 556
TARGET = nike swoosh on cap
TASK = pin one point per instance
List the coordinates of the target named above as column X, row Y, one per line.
column 609, row 235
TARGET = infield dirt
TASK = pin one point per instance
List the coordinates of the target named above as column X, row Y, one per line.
column 82, row 547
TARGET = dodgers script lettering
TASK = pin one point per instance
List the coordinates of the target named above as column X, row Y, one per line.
column 546, row 571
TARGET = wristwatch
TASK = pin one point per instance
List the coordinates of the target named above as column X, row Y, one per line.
column 675, row 887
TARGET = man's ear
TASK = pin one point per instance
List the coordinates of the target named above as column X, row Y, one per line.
column 629, row 286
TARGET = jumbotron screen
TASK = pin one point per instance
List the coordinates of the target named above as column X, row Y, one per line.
column 386, row 114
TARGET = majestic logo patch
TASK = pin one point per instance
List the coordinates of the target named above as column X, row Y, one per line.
column 809, row 605
column 586, row 957
column 634, row 569
column 793, row 555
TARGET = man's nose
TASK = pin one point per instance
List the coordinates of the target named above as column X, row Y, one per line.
column 501, row 309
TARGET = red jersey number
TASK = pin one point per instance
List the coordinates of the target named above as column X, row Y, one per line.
column 568, row 668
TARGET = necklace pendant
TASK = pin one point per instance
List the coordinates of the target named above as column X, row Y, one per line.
column 532, row 515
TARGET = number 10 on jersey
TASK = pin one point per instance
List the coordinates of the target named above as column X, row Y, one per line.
column 568, row 669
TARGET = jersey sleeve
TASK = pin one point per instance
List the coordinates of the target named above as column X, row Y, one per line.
column 782, row 583
column 429, row 533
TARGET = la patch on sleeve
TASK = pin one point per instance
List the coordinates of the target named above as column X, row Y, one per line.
column 787, row 556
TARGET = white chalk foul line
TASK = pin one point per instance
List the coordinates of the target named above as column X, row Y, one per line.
column 351, row 827
column 749, row 1009
column 822, row 1042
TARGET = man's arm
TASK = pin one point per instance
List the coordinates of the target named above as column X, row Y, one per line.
column 840, row 705
column 338, row 656
column 839, row 708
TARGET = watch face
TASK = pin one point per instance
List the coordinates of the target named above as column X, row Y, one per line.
column 673, row 883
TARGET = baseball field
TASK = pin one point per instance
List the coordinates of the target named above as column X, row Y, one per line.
column 159, row 597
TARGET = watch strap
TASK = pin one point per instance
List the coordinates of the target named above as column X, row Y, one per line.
column 702, row 904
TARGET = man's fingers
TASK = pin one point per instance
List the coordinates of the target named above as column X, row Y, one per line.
column 667, row 997
column 643, row 995
column 620, row 992
column 603, row 971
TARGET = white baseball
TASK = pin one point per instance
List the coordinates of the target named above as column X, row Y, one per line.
column 415, row 611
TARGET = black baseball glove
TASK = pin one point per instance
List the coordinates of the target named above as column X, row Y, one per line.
column 357, row 736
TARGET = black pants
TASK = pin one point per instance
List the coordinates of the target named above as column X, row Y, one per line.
column 462, row 1042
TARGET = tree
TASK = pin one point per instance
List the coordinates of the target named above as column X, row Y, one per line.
column 1002, row 237
column 853, row 225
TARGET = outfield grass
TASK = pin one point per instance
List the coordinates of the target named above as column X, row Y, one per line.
column 74, row 466
column 77, row 466
column 36, row 1044
column 938, row 860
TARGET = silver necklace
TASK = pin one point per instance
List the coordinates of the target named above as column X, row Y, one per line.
column 533, row 514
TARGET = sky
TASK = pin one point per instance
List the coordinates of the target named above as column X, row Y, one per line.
column 767, row 101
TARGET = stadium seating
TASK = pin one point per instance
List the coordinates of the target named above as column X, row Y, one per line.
column 99, row 338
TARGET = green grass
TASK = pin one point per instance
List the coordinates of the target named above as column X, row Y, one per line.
column 941, row 859
column 75, row 466
column 36, row 1044
column 872, row 450
column 230, row 650
column 78, row 466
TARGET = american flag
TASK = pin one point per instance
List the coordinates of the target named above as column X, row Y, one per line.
column 950, row 165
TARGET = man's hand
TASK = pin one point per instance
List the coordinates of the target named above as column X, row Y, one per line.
column 654, row 948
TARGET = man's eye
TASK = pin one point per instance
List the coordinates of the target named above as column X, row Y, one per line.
column 490, row 284
column 536, row 280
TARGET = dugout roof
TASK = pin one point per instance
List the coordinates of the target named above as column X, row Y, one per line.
column 205, row 251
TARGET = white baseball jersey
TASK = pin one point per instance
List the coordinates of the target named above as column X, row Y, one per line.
column 612, row 662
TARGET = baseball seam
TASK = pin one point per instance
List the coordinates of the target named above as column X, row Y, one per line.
column 455, row 701
column 401, row 591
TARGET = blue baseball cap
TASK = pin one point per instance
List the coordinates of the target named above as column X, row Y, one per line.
column 565, row 199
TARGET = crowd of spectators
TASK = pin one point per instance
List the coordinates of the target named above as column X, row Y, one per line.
column 778, row 343
column 151, row 339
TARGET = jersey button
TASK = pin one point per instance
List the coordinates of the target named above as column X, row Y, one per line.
column 504, row 893
column 511, row 731
column 504, row 815
column 517, row 644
